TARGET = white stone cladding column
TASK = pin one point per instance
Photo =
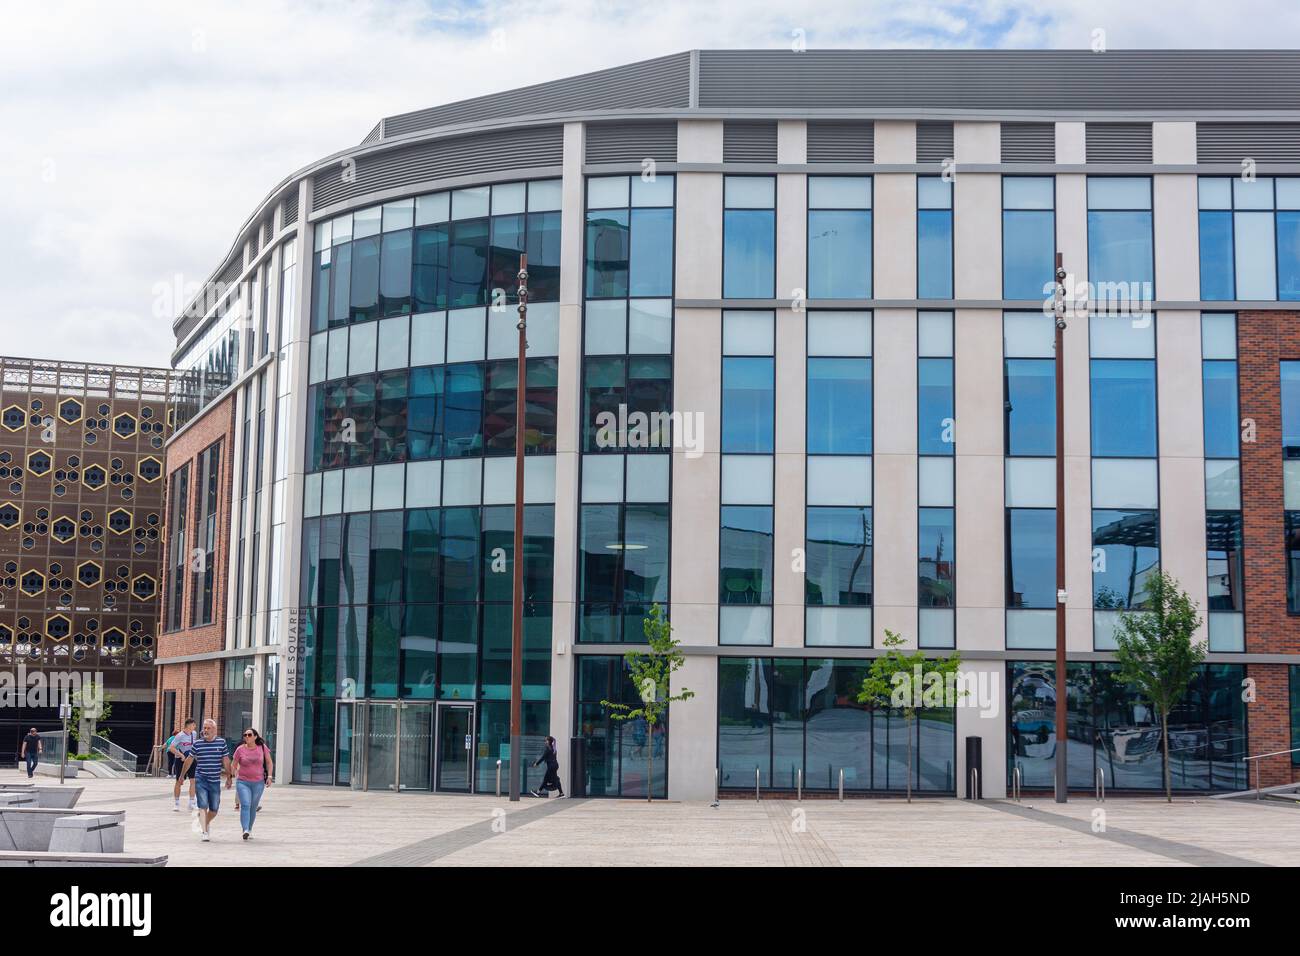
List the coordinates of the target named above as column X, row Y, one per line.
column 1178, row 365
column 294, row 365
column 697, row 368
column 893, row 364
column 791, row 387
column 568, row 439
column 977, row 361
column 1072, row 241
column 986, row 682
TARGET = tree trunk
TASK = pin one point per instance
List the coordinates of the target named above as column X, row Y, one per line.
column 1164, row 732
column 909, row 759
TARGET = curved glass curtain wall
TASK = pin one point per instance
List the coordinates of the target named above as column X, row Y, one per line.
column 407, row 548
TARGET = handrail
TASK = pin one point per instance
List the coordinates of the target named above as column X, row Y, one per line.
column 1099, row 785
column 1015, row 783
column 1275, row 753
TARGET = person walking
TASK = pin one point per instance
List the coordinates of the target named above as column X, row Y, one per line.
column 31, row 751
column 550, row 756
column 179, row 749
column 171, row 757
column 211, row 761
column 254, row 769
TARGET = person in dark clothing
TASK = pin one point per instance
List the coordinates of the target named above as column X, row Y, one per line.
column 551, row 758
column 31, row 751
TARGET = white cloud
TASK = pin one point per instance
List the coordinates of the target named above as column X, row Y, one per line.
column 137, row 138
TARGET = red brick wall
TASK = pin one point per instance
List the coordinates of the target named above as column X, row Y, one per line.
column 215, row 424
column 1264, row 340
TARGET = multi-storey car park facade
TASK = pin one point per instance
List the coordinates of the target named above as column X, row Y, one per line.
column 81, row 518
column 831, row 268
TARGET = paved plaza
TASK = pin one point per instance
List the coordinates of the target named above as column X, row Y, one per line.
column 318, row 826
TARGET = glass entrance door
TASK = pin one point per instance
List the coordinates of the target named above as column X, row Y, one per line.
column 381, row 746
column 415, row 746
column 455, row 746
column 349, row 743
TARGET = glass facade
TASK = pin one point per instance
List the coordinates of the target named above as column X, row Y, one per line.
column 619, row 756
column 749, row 237
column 839, row 237
column 1028, row 236
column 777, row 717
column 1250, row 238
column 1109, row 727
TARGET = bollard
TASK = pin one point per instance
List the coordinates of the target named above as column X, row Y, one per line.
column 841, row 784
column 498, row 778
column 755, row 783
column 799, row 784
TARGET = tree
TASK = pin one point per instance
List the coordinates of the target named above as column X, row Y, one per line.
column 89, row 706
column 1156, row 652
column 910, row 682
column 651, row 674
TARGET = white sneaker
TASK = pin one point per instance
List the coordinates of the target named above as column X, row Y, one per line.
column 193, row 804
column 206, row 838
column 177, row 807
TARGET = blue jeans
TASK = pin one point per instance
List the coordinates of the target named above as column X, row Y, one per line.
column 31, row 762
column 250, row 795
column 208, row 793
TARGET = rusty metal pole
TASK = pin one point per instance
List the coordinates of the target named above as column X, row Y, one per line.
column 1062, row 693
column 517, row 599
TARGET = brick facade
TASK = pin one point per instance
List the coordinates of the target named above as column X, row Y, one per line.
column 1264, row 340
column 216, row 424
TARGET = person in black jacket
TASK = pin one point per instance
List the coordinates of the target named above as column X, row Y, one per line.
column 551, row 781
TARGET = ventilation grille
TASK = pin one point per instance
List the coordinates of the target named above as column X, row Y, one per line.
column 290, row 209
column 268, row 230
column 632, row 142
column 1028, row 142
column 375, row 135
column 523, row 148
column 1233, row 142
column 749, row 142
column 933, row 142
column 831, row 141
column 1119, row 142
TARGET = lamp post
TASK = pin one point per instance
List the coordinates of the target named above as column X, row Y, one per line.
column 1062, row 694
column 517, row 602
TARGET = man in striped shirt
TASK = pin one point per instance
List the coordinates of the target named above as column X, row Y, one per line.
column 211, row 761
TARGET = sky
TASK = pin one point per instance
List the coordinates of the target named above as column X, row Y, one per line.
column 136, row 137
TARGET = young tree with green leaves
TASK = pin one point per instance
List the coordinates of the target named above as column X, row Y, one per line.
column 1156, row 652
column 651, row 674
column 908, row 682
column 89, row 706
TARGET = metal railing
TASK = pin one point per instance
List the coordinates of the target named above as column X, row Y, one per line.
column 1275, row 753
column 1099, row 785
column 119, row 758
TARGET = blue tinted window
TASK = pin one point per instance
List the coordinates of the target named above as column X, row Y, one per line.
column 749, row 254
column 1126, row 550
column 429, row 270
column 1216, row 256
column 839, row 406
column 1119, row 250
column 365, row 279
column 839, row 254
column 1028, row 253
column 1220, row 402
column 1292, row 531
column 467, row 263
column 463, row 411
column 1031, row 557
column 937, row 557
column 1224, row 565
column 934, row 254
column 1290, row 397
column 651, row 271
column 1123, row 408
column 745, row 575
column 934, row 406
column 839, row 556
column 608, row 248
column 748, row 394
column 1031, row 407
column 1288, row 255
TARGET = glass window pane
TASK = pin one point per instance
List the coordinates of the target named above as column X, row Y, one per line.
column 1028, row 256
column 1252, row 193
column 839, row 254
column 652, row 192
column 1220, row 404
column 1031, row 407
column 839, row 192
column 749, row 254
column 1031, row 558
column 936, row 540
column 1216, row 256
column 839, row 561
column 839, row 406
column 748, row 404
column 1027, row 192
column 1123, row 408
column 1214, row 193
column 933, row 192
column 1126, row 551
column 1116, row 192
column 608, row 248
column 1120, row 256
column 839, row 333
column 1256, row 265
column 745, row 575
column 749, row 192
column 607, row 192
column 1288, row 256
column 651, row 271
column 934, row 406
column 934, row 254
column 748, row 333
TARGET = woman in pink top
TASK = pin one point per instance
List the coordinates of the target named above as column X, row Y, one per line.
column 253, row 773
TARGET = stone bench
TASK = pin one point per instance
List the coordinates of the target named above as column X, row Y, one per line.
column 17, row 798
column 28, row 829
column 47, row 795
column 44, row 769
column 60, row 859
column 88, row 833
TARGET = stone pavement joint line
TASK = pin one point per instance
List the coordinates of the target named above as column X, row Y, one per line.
column 1172, row 849
column 423, row 852
column 798, row 848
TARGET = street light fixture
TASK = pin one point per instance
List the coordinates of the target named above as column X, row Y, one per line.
column 517, row 603
column 1062, row 733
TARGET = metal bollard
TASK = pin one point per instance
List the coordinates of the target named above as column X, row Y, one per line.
column 498, row 778
column 1100, row 785
column 799, row 784
column 841, row 784
column 974, row 782
column 755, row 783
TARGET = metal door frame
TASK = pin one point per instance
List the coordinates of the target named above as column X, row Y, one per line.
column 472, row 752
column 403, row 704
column 359, row 721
